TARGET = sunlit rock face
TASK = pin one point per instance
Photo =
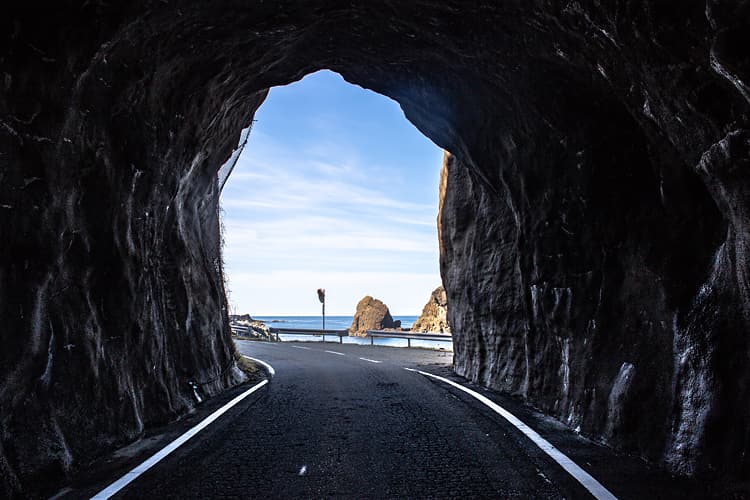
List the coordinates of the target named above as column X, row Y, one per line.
column 594, row 228
column 434, row 317
column 371, row 314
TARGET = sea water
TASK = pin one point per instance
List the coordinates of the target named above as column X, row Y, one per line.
column 343, row 323
column 316, row 322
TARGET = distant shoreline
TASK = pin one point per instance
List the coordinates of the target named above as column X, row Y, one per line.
column 318, row 316
column 336, row 322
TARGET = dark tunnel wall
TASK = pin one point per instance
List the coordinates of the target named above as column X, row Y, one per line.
column 593, row 228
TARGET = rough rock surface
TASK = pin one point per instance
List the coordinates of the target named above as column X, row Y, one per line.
column 434, row 317
column 595, row 223
column 372, row 314
column 259, row 328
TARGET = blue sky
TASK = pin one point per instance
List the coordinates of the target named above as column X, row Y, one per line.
column 335, row 189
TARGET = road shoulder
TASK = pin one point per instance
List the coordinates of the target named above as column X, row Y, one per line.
column 98, row 474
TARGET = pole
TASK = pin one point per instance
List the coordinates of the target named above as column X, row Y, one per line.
column 322, row 299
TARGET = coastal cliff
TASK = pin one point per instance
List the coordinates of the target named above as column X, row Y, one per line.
column 371, row 314
column 594, row 228
column 434, row 317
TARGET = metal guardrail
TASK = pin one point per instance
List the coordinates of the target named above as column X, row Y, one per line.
column 246, row 331
column 317, row 333
column 373, row 334
column 408, row 336
column 240, row 329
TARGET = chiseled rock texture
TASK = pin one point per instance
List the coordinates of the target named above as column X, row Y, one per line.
column 371, row 314
column 434, row 317
column 594, row 228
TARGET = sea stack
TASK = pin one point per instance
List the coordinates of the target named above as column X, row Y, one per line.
column 434, row 316
column 372, row 314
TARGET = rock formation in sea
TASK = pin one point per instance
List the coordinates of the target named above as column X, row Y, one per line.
column 594, row 227
column 434, row 317
column 371, row 314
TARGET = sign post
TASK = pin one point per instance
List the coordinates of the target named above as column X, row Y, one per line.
column 322, row 299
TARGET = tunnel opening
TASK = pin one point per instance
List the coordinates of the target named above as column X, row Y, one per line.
column 116, row 119
column 333, row 189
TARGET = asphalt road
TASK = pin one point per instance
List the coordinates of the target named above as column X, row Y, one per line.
column 330, row 424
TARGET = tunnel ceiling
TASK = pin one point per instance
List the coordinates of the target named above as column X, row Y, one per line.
column 593, row 219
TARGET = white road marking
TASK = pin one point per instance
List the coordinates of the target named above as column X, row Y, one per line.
column 370, row 360
column 334, row 352
column 300, row 347
column 268, row 367
column 592, row 485
column 156, row 457
column 302, row 471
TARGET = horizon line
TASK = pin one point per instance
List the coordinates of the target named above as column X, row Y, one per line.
column 307, row 315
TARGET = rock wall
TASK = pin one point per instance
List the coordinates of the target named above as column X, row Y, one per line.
column 111, row 295
column 601, row 300
column 594, row 228
column 434, row 317
column 371, row 314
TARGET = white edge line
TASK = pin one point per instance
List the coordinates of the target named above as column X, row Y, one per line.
column 592, row 485
column 334, row 352
column 129, row 477
column 268, row 367
column 370, row 360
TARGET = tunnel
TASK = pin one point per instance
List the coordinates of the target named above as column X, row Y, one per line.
column 593, row 220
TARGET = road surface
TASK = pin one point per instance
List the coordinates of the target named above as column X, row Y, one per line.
column 349, row 421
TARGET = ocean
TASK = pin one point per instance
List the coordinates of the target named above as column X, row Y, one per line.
column 342, row 323
column 316, row 322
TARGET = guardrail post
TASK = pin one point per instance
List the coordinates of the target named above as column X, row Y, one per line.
column 372, row 340
column 408, row 342
column 341, row 339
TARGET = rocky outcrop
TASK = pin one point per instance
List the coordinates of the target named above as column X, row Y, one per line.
column 241, row 317
column 257, row 328
column 434, row 317
column 371, row 314
column 594, row 227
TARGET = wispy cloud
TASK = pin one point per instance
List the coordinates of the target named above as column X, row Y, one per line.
column 298, row 184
